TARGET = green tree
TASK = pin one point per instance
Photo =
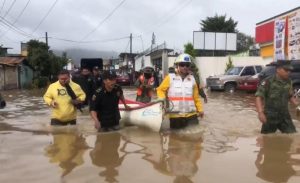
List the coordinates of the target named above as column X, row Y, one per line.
column 57, row 63
column 45, row 62
column 38, row 57
column 229, row 64
column 244, row 42
column 189, row 49
column 218, row 24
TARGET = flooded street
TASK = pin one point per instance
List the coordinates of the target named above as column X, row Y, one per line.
column 226, row 147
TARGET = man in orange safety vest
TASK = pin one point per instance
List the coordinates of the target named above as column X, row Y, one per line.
column 145, row 85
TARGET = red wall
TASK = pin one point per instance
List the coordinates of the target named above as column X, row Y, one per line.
column 264, row 33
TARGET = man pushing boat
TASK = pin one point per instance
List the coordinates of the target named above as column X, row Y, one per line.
column 181, row 90
column 104, row 106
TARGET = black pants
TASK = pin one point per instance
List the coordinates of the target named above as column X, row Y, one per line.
column 177, row 123
column 57, row 122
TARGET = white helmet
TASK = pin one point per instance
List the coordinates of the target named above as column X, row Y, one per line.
column 183, row 58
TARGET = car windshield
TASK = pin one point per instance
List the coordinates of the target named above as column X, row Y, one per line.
column 234, row 71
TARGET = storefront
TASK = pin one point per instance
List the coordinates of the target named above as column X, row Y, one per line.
column 279, row 36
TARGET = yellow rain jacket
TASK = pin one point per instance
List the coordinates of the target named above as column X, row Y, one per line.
column 162, row 90
column 65, row 110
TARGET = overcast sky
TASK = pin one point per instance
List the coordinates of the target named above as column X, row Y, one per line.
column 107, row 24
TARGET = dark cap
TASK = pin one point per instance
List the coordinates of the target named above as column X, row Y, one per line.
column 286, row 64
column 148, row 69
column 109, row 74
column 96, row 68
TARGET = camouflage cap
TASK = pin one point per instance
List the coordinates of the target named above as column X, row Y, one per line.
column 286, row 64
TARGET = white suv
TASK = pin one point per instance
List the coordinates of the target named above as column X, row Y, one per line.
column 230, row 79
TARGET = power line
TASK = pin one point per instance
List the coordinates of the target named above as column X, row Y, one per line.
column 87, row 42
column 18, row 17
column 14, row 28
column 175, row 13
column 2, row 5
column 21, row 13
column 106, row 18
column 169, row 15
column 127, row 46
column 43, row 19
column 12, row 4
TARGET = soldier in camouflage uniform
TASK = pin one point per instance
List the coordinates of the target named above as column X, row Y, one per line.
column 272, row 99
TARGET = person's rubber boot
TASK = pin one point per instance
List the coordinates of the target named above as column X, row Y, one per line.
column 2, row 104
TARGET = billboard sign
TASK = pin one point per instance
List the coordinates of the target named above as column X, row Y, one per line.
column 279, row 38
column 215, row 41
column 294, row 36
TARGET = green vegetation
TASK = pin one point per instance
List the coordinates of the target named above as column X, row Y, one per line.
column 189, row 49
column 229, row 64
column 219, row 23
column 45, row 63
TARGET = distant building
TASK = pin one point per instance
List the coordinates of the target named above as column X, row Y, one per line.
column 70, row 65
column 155, row 56
column 15, row 73
column 24, row 49
column 279, row 36
column 127, row 61
column 3, row 51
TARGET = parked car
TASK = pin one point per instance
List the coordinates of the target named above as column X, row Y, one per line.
column 294, row 75
column 249, row 84
column 123, row 79
column 229, row 80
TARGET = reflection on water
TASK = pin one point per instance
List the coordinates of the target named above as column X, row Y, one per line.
column 180, row 155
column 274, row 160
column 173, row 154
column 66, row 150
column 226, row 136
column 106, row 155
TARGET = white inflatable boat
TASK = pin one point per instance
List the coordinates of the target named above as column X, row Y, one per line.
column 148, row 115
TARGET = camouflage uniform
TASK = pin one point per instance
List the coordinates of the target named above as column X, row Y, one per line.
column 276, row 94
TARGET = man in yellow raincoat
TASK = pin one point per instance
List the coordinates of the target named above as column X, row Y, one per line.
column 64, row 96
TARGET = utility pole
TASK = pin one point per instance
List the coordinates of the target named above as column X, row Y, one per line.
column 130, row 44
column 131, row 59
column 46, row 36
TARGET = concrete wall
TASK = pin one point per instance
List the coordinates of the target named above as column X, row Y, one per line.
column 26, row 76
column 11, row 77
column 210, row 66
column 138, row 62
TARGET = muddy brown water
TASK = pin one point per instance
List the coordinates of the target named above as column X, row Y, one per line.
column 225, row 147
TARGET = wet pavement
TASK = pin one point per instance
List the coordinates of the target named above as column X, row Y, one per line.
column 225, row 147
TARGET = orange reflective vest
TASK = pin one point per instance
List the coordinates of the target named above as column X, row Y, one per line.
column 180, row 94
column 150, row 82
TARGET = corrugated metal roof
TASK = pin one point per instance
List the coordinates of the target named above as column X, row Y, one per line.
column 11, row 61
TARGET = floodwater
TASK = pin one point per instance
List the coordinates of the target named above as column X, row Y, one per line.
column 225, row 147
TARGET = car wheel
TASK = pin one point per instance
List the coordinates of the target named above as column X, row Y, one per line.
column 230, row 87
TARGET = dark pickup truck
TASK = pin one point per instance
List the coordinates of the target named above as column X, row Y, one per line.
column 294, row 75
